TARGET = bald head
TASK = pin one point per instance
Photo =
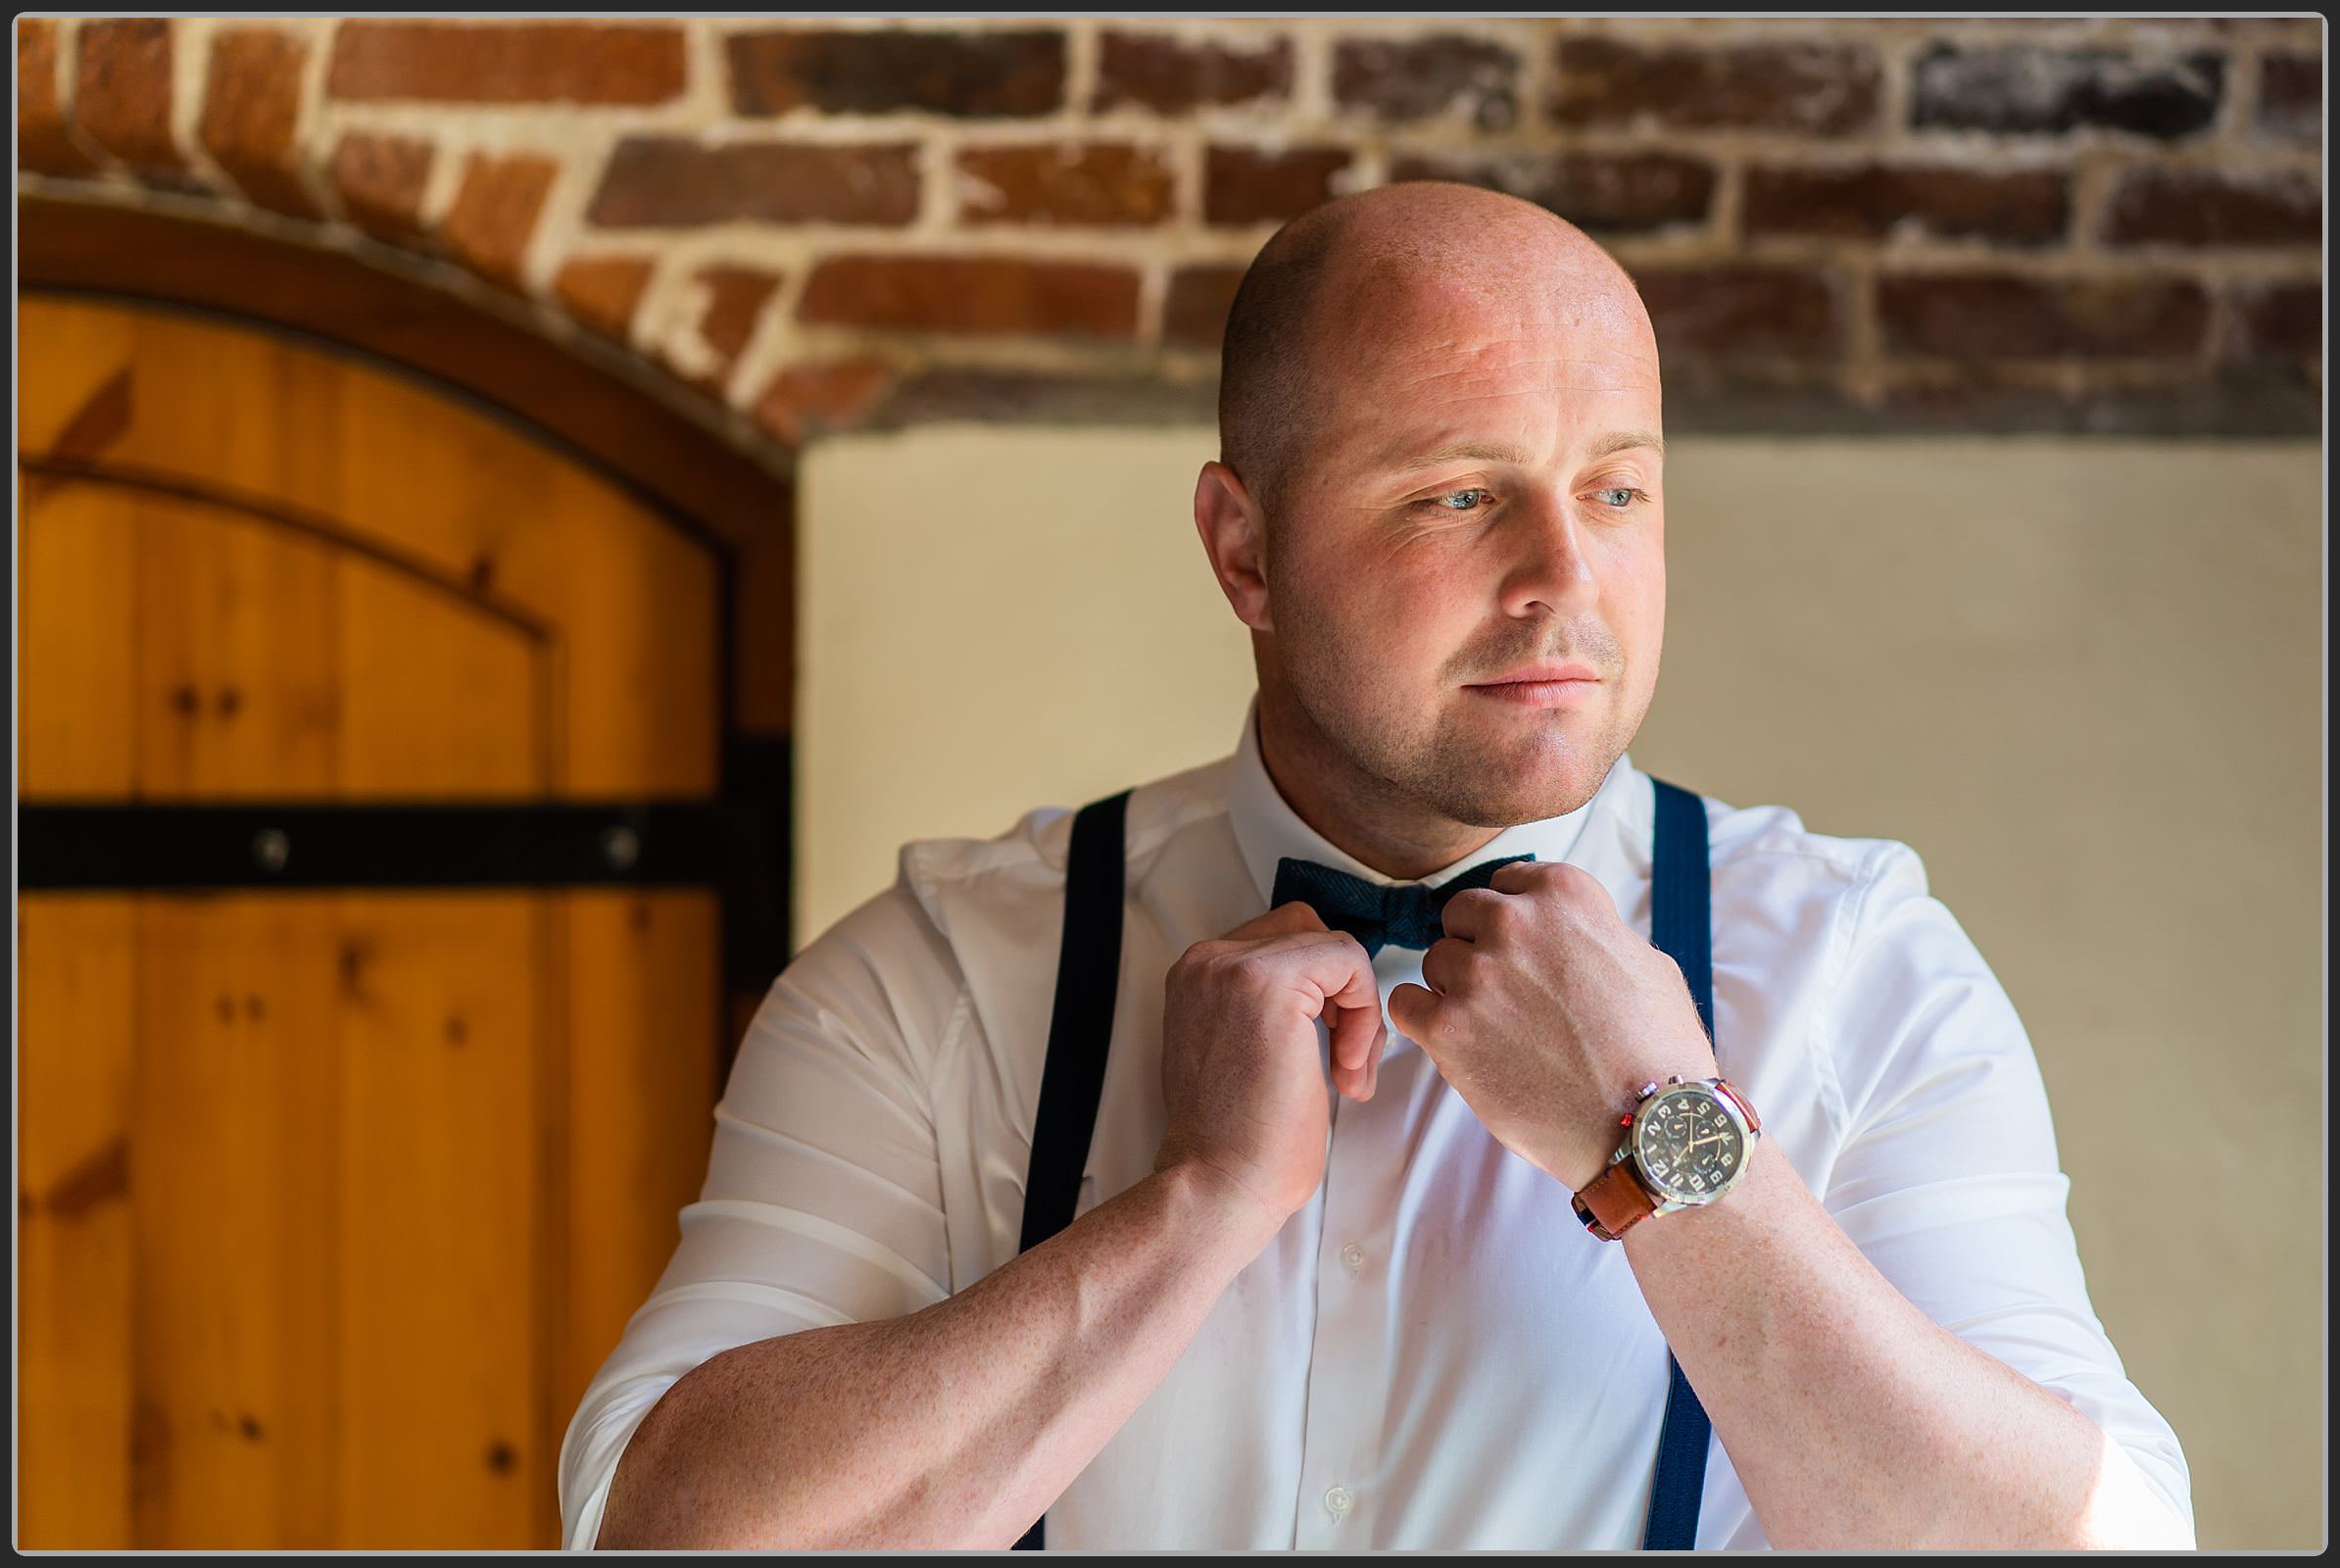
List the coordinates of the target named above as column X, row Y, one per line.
column 1375, row 259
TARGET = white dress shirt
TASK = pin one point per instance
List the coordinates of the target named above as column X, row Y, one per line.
column 1433, row 1352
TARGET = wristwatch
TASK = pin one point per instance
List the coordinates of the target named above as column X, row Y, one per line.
column 1685, row 1144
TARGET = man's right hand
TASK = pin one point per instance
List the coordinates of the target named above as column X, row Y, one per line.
column 1241, row 1073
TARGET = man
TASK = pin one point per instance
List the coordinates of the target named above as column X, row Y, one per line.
column 1326, row 1286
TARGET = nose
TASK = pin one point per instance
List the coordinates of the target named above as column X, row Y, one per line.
column 1551, row 564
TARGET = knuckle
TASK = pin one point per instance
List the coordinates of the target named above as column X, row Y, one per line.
column 1249, row 963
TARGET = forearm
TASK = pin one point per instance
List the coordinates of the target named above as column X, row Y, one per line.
column 953, row 1426
column 1854, row 1420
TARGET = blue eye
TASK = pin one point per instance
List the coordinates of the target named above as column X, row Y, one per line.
column 1440, row 502
column 1626, row 491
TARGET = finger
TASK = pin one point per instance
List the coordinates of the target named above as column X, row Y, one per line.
column 1357, row 1021
column 1443, row 964
column 1335, row 970
column 1414, row 1009
column 1466, row 914
column 1519, row 876
column 1290, row 915
column 1357, row 1034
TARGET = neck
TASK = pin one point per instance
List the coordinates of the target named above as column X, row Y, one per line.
column 1356, row 812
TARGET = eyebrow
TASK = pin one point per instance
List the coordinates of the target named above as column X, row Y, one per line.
column 1502, row 452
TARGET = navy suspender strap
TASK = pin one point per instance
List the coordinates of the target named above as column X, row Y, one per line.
column 1681, row 925
column 1088, row 974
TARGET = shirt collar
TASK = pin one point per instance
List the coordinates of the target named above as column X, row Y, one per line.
column 1592, row 836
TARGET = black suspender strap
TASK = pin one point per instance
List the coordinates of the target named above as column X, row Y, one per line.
column 1088, row 974
column 1681, row 923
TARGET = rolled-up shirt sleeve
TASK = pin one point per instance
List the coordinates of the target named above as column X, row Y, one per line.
column 1948, row 1179
column 822, row 1202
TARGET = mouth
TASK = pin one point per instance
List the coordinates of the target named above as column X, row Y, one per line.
column 1540, row 692
column 1546, row 683
column 1545, row 670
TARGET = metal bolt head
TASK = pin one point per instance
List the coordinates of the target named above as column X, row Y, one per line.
column 272, row 848
column 621, row 847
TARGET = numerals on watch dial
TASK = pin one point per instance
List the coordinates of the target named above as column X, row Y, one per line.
column 1688, row 1144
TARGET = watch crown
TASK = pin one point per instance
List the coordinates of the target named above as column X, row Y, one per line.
column 1673, row 1078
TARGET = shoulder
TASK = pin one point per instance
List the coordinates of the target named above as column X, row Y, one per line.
column 1765, row 854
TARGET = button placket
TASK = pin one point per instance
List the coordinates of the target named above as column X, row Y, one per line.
column 1347, row 1390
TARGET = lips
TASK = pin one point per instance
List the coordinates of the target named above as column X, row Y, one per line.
column 1541, row 674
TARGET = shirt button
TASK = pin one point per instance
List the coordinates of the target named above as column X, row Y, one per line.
column 1338, row 1500
column 1352, row 1256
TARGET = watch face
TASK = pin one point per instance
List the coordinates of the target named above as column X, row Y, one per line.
column 1688, row 1148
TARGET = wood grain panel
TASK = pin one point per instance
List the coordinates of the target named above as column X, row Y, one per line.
column 644, row 1004
column 437, row 698
column 76, row 957
column 237, row 1093
column 639, row 719
column 239, row 637
column 71, row 353
column 441, row 1299
column 466, row 495
column 78, row 546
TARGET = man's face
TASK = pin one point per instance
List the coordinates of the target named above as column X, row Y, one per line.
column 1480, row 490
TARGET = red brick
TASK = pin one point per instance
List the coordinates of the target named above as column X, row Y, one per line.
column 1605, row 192
column 1065, row 182
column 1717, row 313
column 2002, row 316
column 379, row 179
column 1174, row 77
column 1195, row 311
column 603, row 292
column 495, row 212
column 804, row 401
column 251, row 111
column 1244, row 186
column 2291, row 97
column 2280, row 322
column 1872, row 201
column 42, row 144
column 2206, row 206
column 507, row 63
column 124, row 98
column 677, row 182
column 2025, row 88
column 1814, row 87
column 971, row 75
column 736, row 296
column 972, row 294
column 1398, row 80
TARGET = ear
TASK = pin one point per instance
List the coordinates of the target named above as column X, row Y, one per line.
column 1234, row 534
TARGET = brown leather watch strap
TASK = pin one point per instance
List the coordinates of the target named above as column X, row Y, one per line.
column 1726, row 1086
column 1616, row 1199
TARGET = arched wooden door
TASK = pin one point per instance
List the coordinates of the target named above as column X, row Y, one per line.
column 370, row 1008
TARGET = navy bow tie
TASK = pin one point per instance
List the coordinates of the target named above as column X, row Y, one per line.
column 1405, row 914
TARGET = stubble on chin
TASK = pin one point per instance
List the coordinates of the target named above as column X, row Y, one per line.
column 1496, row 784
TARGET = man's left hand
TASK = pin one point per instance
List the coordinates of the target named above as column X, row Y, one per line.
column 1546, row 1011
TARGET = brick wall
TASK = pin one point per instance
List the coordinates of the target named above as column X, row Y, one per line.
column 1836, row 224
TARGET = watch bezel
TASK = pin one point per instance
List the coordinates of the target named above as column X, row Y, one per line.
column 1669, row 1196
